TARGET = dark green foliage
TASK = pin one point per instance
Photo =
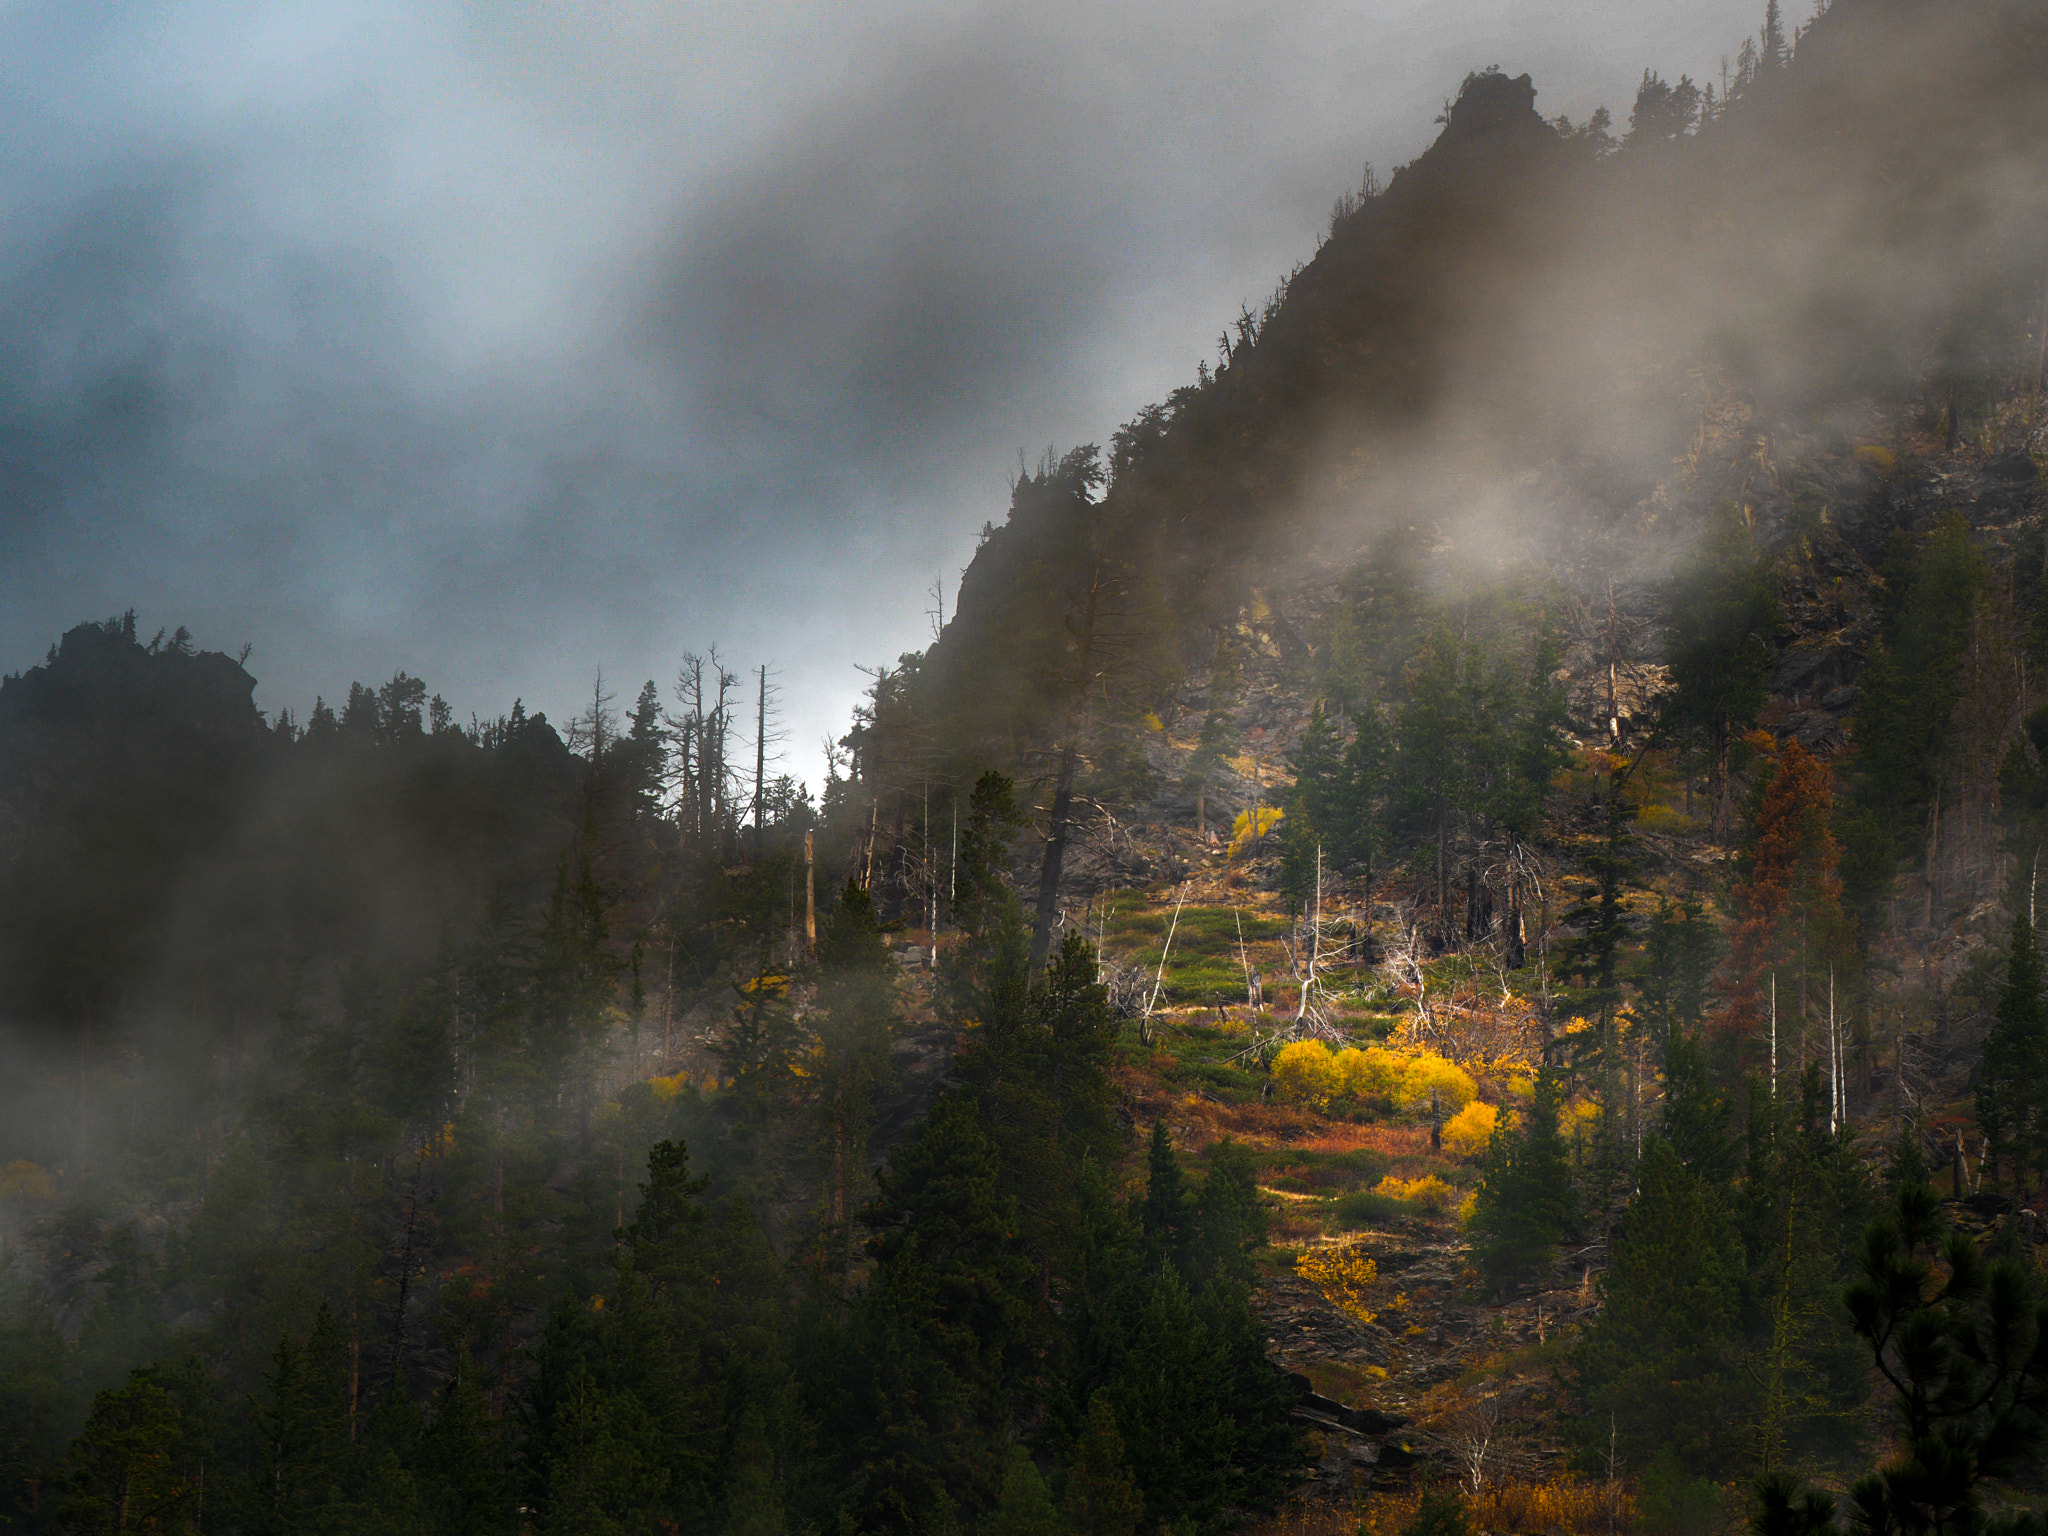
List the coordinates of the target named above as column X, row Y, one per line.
column 33, row 1398
column 465, row 1465
column 1337, row 807
column 916, row 1410
column 1165, row 1215
column 1440, row 1513
column 1908, row 693
column 2012, row 1081
column 1963, row 1345
column 1036, row 1066
column 1475, row 747
column 856, row 1017
column 1781, row 1510
column 1723, row 613
column 1662, row 1361
column 1024, row 1508
column 1210, row 751
column 663, row 1242
column 1679, row 955
column 1669, row 1503
column 1525, row 1204
column 1229, row 1223
column 1102, row 1497
column 132, row 1466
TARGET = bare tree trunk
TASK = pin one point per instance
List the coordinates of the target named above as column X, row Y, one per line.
column 810, row 897
column 1717, row 787
column 1055, row 856
column 760, row 756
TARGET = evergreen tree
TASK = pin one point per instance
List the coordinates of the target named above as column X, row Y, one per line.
column 1723, row 612
column 1661, row 1362
column 753, row 1501
column 2012, row 1080
column 1439, row 1513
column 1211, row 750
column 465, row 1475
column 1024, row 1508
column 1165, row 1216
column 1524, row 1204
column 943, row 1337
column 1317, row 807
column 1229, row 1218
column 855, row 1019
column 32, row 1390
column 1964, row 1347
column 1102, row 1497
column 130, row 1467
column 308, row 1430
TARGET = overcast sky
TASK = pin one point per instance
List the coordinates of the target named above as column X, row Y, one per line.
column 507, row 342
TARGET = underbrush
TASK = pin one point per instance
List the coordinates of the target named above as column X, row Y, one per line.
column 1577, row 1506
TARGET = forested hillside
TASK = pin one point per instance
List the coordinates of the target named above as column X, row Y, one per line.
column 1445, row 941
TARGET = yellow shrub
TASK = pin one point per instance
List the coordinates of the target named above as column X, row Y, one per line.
column 1306, row 1073
column 1467, row 1206
column 1667, row 819
column 1344, row 1275
column 1468, row 1131
column 1429, row 1192
column 1365, row 1073
column 24, row 1180
column 1419, row 1074
column 1153, row 722
column 1245, row 829
column 1879, row 459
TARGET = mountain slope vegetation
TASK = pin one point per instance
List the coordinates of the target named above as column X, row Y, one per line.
column 1459, row 902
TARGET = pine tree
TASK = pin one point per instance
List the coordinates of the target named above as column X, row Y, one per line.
column 1964, row 1346
column 308, row 1430
column 1723, row 613
column 465, row 1476
column 1318, row 806
column 1164, row 1216
column 1211, row 749
column 2012, row 1082
column 129, row 1468
column 664, row 1239
column 1102, row 1498
column 753, row 1501
column 1024, row 1508
column 1229, row 1218
column 1661, row 1362
column 1524, row 1201
column 1165, row 1392
column 1440, row 1512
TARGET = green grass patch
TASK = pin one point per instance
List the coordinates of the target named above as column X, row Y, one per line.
column 1365, row 1208
column 1206, row 965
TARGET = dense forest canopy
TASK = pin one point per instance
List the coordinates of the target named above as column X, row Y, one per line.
column 1447, row 937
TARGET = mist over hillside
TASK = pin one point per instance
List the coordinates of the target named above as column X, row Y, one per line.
column 1374, row 976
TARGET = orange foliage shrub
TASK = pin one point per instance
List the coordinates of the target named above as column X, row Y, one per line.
column 1574, row 1504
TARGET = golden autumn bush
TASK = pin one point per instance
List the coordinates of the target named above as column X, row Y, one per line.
column 1428, row 1192
column 1250, row 826
column 1305, row 1072
column 1427, row 1071
column 1309, row 1072
column 1467, row 1133
column 1344, row 1274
